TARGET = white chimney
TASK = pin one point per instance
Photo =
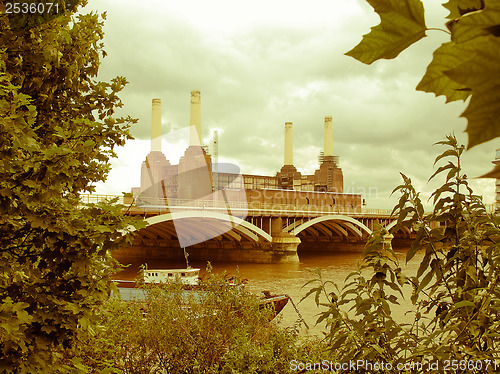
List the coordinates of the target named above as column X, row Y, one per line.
column 195, row 119
column 288, row 143
column 156, row 126
column 328, row 136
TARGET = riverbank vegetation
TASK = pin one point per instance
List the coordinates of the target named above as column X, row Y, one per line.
column 455, row 298
column 221, row 329
column 57, row 136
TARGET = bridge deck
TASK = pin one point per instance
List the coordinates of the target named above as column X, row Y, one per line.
column 236, row 208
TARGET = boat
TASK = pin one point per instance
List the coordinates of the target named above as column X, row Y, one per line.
column 132, row 290
column 277, row 302
column 187, row 276
column 190, row 279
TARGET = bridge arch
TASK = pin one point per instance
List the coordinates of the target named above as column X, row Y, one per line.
column 350, row 223
column 391, row 225
column 239, row 225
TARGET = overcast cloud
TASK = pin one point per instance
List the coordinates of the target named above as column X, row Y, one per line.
column 260, row 64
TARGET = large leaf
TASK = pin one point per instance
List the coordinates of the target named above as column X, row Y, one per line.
column 483, row 115
column 463, row 303
column 446, row 57
column 402, row 24
column 482, row 74
column 481, row 71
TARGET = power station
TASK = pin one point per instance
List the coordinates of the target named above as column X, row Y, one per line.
column 195, row 177
column 220, row 214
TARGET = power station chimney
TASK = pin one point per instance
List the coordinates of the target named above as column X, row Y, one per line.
column 328, row 151
column 195, row 119
column 156, row 126
column 288, row 143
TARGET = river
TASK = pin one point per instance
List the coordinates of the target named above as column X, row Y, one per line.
column 290, row 279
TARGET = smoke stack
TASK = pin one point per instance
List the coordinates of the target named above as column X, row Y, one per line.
column 288, row 143
column 156, row 126
column 195, row 119
column 328, row 151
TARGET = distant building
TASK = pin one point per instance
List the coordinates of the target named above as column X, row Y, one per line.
column 193, row 178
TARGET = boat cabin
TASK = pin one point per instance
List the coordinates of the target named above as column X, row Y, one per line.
column 187, row 276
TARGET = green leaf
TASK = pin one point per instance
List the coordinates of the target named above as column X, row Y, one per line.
column 482, row 74
column 447, row 153
column 403, row 213
column 463, row 303
column 494, row 173
column 402, row 24
column 448, row 187
column 425, row 281
column 452, row 173
column 449, row 165
column 482, row 70
column 316, row 291
column 378, row 349
column 446, row 57
column 424, row 264
column 415, row 245
column 394, row 286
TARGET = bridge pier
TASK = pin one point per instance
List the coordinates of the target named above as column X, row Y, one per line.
column 260, row 254
column 284, row 249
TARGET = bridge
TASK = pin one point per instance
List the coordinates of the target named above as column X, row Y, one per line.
column 248, row 231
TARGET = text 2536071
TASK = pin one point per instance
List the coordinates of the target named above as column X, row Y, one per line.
column 31, row 8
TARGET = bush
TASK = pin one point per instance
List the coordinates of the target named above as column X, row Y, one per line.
column 455, row 297
column 218, row 330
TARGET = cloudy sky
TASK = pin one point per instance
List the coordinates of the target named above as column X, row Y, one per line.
column 262, row 63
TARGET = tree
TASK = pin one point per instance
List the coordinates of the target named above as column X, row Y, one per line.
column 466, row 66
column 57, row 135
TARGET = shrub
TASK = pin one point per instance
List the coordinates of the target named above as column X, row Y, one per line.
column 218, row 330
column 455, row 293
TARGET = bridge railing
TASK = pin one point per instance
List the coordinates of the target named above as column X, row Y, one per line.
column 239, row 207
column 100, row 198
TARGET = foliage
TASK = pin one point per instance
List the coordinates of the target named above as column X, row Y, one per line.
column 402, row 25
column 467, row 65
column 455, row 295
column 57, row 135
column 220, row 329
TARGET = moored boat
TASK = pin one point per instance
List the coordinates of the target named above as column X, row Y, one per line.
column 190, row 279
column 277, row 302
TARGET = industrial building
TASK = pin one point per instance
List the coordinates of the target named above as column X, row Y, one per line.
column 198, row 175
